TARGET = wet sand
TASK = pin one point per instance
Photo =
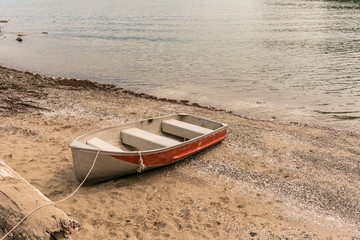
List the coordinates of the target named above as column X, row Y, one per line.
column 267, row 180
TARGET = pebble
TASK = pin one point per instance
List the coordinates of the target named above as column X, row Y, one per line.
column 253, row 234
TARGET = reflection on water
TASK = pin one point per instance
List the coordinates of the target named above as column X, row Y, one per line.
column 287, row 53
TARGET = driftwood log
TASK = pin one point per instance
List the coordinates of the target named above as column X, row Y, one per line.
column 17, row 198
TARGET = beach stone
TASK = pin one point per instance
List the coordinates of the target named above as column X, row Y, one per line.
column 253, row 234
column 19, row 39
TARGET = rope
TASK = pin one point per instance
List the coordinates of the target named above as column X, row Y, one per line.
column 141, row 163
column 52, row 203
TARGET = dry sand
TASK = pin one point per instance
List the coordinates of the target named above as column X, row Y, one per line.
column 265, row 181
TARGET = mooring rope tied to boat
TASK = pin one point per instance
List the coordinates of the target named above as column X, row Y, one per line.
column 52, row 203
column 141, row 163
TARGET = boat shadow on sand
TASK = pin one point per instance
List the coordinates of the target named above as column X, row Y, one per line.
column 64, row 181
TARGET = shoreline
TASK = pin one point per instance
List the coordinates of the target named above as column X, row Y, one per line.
column 265, row 180
column 75, row 82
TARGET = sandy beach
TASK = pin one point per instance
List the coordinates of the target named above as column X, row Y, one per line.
column 266, row 180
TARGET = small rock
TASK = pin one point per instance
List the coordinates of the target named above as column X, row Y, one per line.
column 19, row 39
column 253, row 234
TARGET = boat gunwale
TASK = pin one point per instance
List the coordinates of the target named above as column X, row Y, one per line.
column 144, row 152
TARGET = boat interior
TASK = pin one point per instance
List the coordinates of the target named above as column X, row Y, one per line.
column 150, row 134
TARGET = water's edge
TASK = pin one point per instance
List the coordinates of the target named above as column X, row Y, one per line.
column 278, row 118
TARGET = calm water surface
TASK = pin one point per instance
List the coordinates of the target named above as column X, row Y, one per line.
column 262, row 57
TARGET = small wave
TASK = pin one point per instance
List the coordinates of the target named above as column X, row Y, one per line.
column 345, row 115
column 122, row 38
column 342, row 117
column 345, row 112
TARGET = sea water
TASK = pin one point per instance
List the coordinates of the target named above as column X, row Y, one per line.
column 271, row 59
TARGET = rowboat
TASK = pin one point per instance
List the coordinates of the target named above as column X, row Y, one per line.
column 143, row 145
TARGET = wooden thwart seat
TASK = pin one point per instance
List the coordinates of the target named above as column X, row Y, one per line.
column 102, row 145
column 144, row 140
column 183, row 129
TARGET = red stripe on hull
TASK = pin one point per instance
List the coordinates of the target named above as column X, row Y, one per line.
column 176, row 154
